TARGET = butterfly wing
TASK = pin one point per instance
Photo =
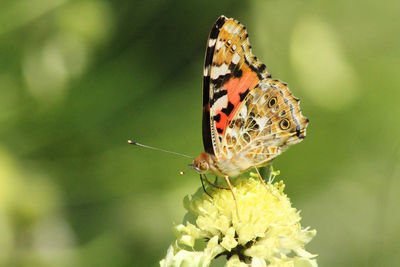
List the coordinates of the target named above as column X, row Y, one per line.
column 268, row 121
column 231, row 71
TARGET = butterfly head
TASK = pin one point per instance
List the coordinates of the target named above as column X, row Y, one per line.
column 203, row 163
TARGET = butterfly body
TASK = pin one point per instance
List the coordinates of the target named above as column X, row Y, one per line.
column 248, row 117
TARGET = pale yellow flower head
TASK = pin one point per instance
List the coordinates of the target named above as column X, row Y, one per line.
column 268, row 232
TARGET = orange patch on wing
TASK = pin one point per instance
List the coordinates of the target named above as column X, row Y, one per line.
column 235, row 87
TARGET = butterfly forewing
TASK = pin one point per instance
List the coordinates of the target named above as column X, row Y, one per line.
column 230, row 72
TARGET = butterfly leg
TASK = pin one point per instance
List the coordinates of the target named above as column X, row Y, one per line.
column 213, row 184
column 202, row 184
column 260, row 177
column 262, row 181
column 233, row 194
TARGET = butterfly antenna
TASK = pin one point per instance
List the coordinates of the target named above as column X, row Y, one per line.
column 159, row 149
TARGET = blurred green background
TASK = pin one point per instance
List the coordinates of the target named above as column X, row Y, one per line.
column 79, row 78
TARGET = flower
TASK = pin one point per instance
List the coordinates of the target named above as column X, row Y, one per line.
column 267, row 231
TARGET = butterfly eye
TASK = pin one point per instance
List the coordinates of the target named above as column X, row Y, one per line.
column 272, row 102
column 284, row 124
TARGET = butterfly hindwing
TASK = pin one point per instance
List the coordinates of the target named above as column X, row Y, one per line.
column 231, row 71
column 267, row 122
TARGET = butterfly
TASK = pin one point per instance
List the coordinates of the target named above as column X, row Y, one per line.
column 248, row 117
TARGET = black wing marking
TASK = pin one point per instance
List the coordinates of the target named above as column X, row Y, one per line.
column 212, row 39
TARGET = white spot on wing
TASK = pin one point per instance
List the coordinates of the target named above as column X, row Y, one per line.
column 236, row 29
column 219, row 44
column 235, row 58
column 248, row 58
column 229, row 28
column 262, row 122
column 205, row 71
column 243, row 112
column 217, row 71
column 211, row 42
column 265, row 85
column 233, row 134
column 221, row 103
column 261, row 100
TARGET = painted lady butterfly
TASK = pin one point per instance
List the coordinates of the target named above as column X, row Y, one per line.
column 248, row 118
